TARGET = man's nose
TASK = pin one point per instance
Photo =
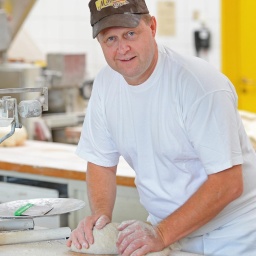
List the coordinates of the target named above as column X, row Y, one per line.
column 123, row 47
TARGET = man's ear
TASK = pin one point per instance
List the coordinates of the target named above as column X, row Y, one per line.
column 153, row 26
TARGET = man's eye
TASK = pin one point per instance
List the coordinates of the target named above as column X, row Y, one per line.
column 111, row 39
column 131, row 34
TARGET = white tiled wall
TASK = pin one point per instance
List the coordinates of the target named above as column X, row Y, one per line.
column 183, row 41
column 64, row 26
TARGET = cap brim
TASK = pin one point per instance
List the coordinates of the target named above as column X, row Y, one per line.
column 117, row 20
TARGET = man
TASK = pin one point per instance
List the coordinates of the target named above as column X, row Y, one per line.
column 174, row 119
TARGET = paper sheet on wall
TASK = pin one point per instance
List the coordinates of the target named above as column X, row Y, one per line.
column 166, row 18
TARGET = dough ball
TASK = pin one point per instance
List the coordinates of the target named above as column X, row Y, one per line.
column 165, row 252
column 104, row 241
column 17, row 139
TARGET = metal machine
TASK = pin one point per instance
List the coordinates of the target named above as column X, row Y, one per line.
column 63, row 77
column 17, row 80
column 17, row 219
column 10, row 110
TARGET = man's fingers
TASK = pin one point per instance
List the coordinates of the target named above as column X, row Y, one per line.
column 76, row 243
column 97, row 222
column 125, row 224
column 140, row 251
column 136, row 247
column 78, row 238
column 136, row 238
column 122, row 237
column 69, row 242
column 82, row 236
column 102, row 222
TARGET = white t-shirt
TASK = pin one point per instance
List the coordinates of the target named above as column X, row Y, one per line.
column 174, row 129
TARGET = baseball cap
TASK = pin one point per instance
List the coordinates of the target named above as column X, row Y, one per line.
column 116, row 13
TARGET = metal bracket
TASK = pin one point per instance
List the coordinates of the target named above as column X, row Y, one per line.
column 9, row 110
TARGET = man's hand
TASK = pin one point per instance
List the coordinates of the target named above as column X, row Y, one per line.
column 137, row 238
column 82, row 236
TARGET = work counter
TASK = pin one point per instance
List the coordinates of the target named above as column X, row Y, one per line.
column 57, row 163
column 49, row 248
column 55, row 248
column 54, row 160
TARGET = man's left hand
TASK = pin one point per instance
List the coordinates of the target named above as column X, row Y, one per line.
column 137, row 238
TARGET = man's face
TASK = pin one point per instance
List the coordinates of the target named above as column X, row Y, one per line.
column 131, row 51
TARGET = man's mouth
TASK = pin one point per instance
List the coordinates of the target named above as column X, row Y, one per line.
column 127, row 59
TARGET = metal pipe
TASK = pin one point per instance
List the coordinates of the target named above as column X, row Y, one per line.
column 9, row 225
column 27, row 236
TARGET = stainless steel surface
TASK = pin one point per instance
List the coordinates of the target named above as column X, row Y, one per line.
column 30, row 236
column 9, row 109
column 60, row 206
column 64, row 120
column 43, row 91
column 64, row 77
column 10, row 225
column 20, row 76
column 70, row 66
column 30, row 108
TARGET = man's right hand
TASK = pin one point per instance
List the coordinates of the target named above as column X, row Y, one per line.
column 82, row 236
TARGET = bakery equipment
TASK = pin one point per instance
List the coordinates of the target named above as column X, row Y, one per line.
column 20, row 228
column 13, row 224
column 18, row 80
column 29, row 236
column 64, row 77
column 10, row 110
column 58, row 205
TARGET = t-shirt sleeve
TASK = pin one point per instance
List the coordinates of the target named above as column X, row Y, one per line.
column 213, row 124
column 95, row 144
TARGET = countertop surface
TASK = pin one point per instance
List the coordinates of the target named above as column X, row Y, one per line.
column 55, row 248
column 55, row 160
column 49, row 248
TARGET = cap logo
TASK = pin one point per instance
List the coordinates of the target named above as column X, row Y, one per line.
column 100, row 4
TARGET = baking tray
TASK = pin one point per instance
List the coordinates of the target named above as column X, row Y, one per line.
column 59, row 205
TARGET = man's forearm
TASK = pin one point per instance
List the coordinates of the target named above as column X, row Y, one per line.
column 216, row 193
column 101, row 188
